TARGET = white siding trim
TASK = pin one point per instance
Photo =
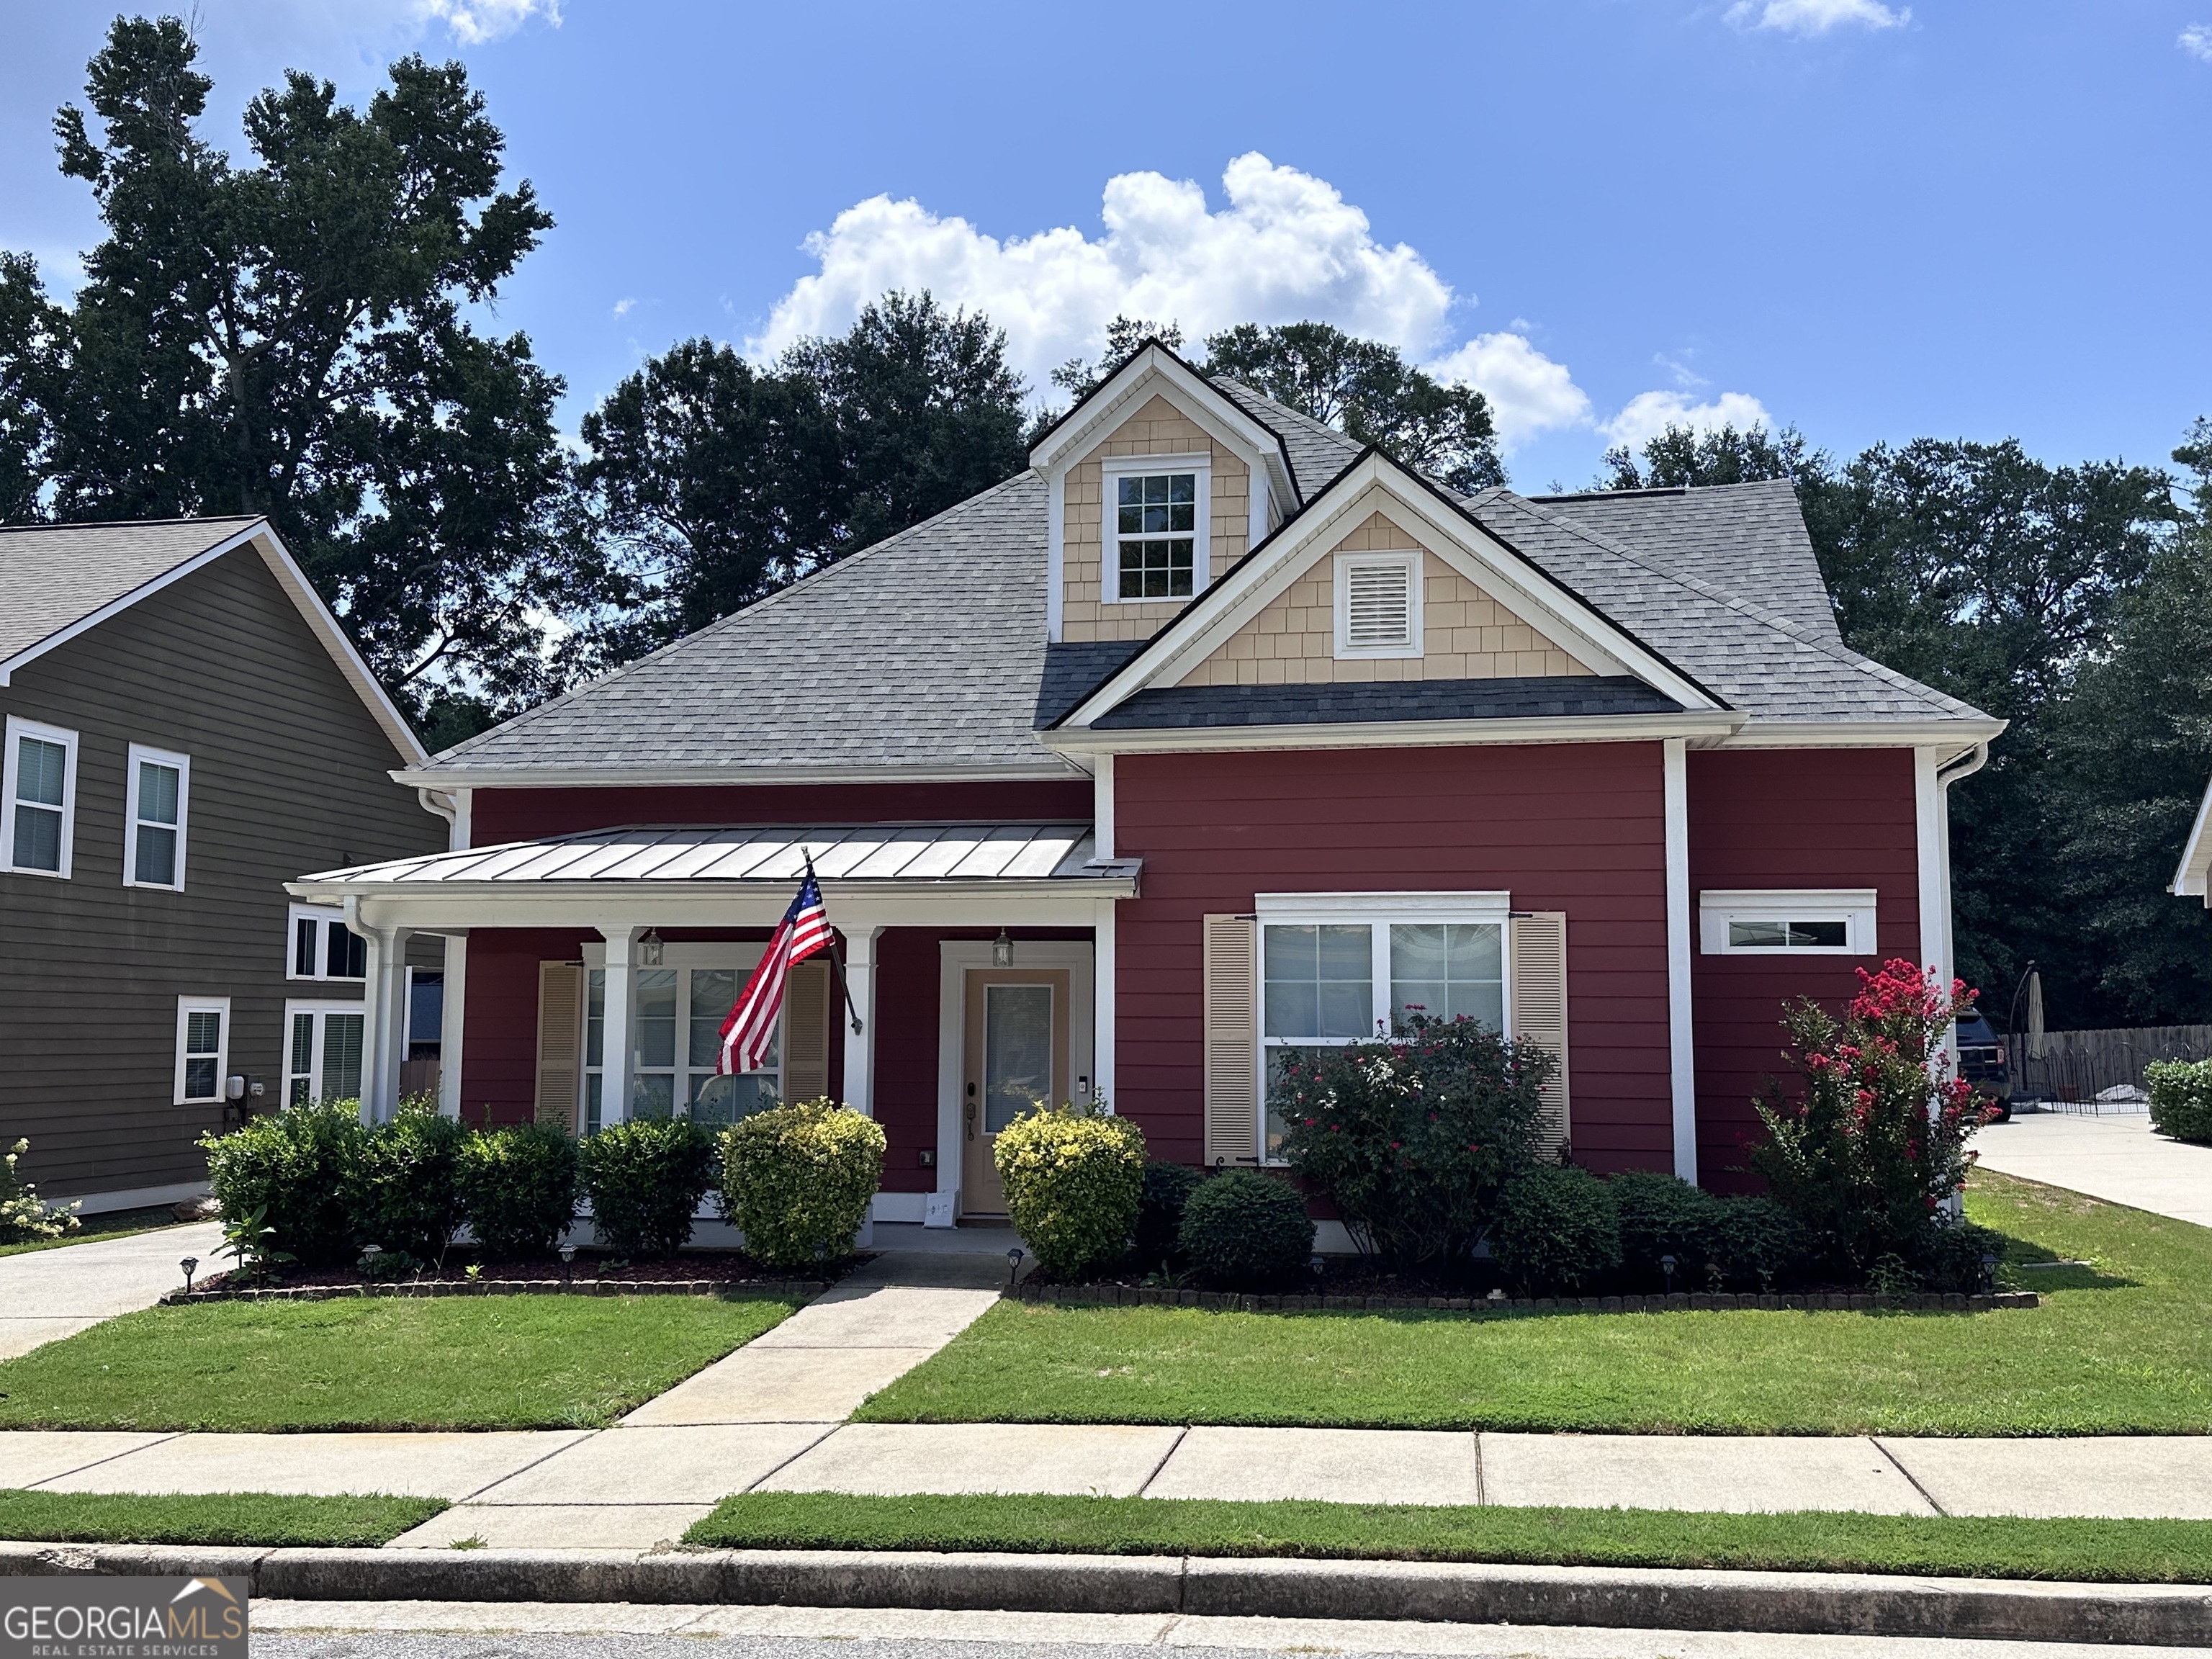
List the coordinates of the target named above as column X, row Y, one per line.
column 1681, row 1024
column 18, row 729
column 455, row 1024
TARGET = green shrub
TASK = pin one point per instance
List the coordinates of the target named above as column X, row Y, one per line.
column 406, row 1187
column 1662, row 1215
column 1075, row 1177
column 297, row 1169
column 1758, row 1242
column 2181, row 1098
column 797, row 1180
column 1954, row 1263
column 518, row 1187
column 1558, row 1229
column 1159, row 1240
column 24, row 1216
column 645, row 1178
column 1243, row 1230
column 1413, row 1137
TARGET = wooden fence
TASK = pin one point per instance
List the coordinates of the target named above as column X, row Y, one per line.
column 2077, row 1067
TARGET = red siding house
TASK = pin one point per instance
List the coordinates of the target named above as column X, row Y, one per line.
column 1211, row 737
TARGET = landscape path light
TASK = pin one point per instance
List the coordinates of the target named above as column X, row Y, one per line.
column 190, row 1264
column 1013, row 1264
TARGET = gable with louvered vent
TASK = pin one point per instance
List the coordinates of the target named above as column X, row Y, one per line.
column 1378, row 604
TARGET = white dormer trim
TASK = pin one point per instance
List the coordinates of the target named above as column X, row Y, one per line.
column 1153, row 372
column 1376, row 485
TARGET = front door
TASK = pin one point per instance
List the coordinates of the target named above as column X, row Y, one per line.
column 1016, row 1056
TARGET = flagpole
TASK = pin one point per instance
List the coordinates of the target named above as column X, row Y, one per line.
column 836, row 955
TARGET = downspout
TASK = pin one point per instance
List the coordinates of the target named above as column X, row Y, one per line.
column 1963, row 766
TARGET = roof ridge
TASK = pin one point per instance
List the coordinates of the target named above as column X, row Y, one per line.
column 136, row 523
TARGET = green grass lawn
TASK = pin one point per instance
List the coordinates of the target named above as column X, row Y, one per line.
column 2128, row 1552
column 507, row 1362
column 119, row 1224
column 2121, row 1347
column 231, row 1517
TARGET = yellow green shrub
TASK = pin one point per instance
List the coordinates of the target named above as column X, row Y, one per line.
column 1075, row 1177
column 797, row 1180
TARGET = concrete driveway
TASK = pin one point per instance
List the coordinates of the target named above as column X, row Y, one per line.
column 2115, row 1158
column 46, row 1295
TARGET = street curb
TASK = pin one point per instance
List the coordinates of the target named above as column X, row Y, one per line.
column 1793, row 1603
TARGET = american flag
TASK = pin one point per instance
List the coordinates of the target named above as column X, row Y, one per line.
column 750, row 1031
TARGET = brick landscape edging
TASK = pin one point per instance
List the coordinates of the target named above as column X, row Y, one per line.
column 509, row 1287
column 1636, row 1598
column 1133, row 1296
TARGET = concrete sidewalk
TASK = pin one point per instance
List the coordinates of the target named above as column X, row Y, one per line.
column 46, row 1295
column 2117, row 1159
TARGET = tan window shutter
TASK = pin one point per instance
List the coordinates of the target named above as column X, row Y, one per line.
column 560, row 1043
column 806, row 1031
column 1540, row 1007
column 1232, row 1040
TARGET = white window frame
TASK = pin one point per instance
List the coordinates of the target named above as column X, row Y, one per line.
column 740, row 955
column 1114, row 467
column 19, row 728
column 321, row 1012
column 1377, row 912
column 186, row 1007
column 182, row 765
column 1852, row 906
column 324, row 917
column 1409, row 560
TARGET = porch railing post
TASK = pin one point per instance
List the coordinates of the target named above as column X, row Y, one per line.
column 859, row 1046
column 618, row 1053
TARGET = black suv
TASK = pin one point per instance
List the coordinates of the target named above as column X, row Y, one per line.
column 1981, row 1063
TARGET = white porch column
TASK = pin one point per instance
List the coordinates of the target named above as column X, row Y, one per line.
column 384, row 1029
column 453, row 1024
column 860, row 1045
column 618, row 1055
column 1102, row 1004
column 1681, row 1028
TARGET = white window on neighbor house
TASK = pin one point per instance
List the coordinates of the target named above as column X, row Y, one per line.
column 202, row 1048
column 1157, row 511
column 1336, row 969
column 321, row 946
column 676, row 1016
column 1378, row 604
column 157, row 795
column 1778, row 921
column 322, row 1051
column 38, row 793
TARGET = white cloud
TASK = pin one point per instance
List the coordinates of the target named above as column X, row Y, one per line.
column 1649, row 414
column 2197, row 41
column 622, row 307
column 1816, row 17
column 1286, row 247
column 1529, row 393
column 473, row 22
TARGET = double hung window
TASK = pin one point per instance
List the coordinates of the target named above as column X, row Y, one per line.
column 676, row 1038
column 202, row 1048
column 323, row 947
column 1156, row 534
column 158, row 795
column 38, row 791
column 1335, row 969
column 322, row 1051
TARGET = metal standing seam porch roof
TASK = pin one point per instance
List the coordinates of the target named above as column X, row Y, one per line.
column 908, row 858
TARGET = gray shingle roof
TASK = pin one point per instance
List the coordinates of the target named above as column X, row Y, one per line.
column 1317, row 452
column 53, row 575
column 1192, row 706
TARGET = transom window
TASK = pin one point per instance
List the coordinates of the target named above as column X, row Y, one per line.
column 154, row 856
column 38, row 789
column 323, row 947
column 1332, row 979
column 1787, row 922
column 676, row 1028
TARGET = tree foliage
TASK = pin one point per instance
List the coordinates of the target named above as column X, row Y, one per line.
column 288, row 338
column 1683, row 455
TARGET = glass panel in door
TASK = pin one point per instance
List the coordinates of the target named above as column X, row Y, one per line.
column 1016, row 1052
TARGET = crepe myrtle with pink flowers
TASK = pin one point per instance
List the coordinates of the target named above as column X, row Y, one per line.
column 1869, row 1147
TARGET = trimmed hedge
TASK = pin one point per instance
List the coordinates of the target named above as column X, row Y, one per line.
column 1558, row 1228
column 1243, row 1230
column 297, row 1168
column 2181, row 1098
column 646, row 1178
column 1157, row 1244
column 797, row 1180
column 518, row 1185
column 1075, row 1179
column 406, row 1196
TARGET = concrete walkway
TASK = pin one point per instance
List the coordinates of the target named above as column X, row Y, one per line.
column 46, row 1295
column 2118, row 1158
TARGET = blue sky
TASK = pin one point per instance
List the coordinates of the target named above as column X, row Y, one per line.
column 1968, row 219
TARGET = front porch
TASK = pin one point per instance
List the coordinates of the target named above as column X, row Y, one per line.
column 586, row 977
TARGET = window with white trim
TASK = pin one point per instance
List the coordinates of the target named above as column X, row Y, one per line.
column 38, row 792
column 1378, row 604
column 676, row 1028
column 321, row 945
column 158, row 796
column 1793, row 921
column 322, row 1045
column 1336, row 969
column 1156, row 513
column 202, row 1049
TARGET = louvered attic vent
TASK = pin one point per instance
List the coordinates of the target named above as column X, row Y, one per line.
column 1378, row 606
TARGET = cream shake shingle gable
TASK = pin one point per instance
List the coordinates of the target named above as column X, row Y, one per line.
column 933, row 654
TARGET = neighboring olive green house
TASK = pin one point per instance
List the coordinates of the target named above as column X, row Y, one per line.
column 187, row 728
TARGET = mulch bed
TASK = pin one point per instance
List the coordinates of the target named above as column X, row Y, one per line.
column 1122, row 1296
column 699, row 1273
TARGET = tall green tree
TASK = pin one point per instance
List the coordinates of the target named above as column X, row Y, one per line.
column 288, row 338
column 1684, row 455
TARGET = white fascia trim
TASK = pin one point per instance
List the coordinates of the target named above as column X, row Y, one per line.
column 777, row 895
column 1375, row 486
column 1964, row 733
column 1154, row 371
column 645, row 777
column 1398, row 734
column 2189, row 876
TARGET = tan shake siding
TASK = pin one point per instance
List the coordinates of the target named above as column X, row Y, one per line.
column 288, row 776
column 1465, row 634
column 1158, row 429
